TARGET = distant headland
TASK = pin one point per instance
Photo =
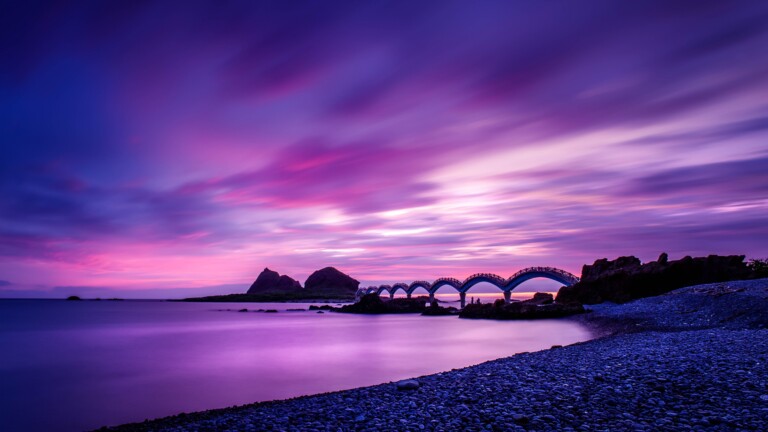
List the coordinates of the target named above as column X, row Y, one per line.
column 270, row 286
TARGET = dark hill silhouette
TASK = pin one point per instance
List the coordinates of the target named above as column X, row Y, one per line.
column 625, row 278
column 331, row 279
column 269, row 280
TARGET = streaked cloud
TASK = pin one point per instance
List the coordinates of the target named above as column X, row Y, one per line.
column 166, row 145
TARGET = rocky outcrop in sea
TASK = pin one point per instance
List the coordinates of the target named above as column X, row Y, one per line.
column 331, row 279
column 373, row 304
column 539, row 307
column 269, row 280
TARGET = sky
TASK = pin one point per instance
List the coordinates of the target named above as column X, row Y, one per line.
column 158, row 147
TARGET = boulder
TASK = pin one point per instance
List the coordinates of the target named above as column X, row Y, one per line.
column 330, row 279
column 626, row 279
column 269, row 280
column 410, row 384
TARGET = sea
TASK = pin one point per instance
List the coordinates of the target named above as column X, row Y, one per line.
column 80, row 365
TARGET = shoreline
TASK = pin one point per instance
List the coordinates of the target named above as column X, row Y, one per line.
column 656, row 363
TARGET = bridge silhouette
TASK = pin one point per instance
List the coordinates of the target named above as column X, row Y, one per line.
column 505, row 285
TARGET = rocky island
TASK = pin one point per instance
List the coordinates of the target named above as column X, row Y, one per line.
column 270, row 286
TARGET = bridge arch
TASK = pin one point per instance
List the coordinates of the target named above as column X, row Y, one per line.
column 555, row 274
column 493, row 279
column 418, row 284
column 398, row 287
column 445, row 281
column 384, row 288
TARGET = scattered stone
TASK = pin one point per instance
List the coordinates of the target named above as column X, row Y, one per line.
column 407, row 385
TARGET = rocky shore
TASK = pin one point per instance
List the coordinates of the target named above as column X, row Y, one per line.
column 689, row 360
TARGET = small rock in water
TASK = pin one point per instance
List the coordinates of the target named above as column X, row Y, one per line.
column 408, row 385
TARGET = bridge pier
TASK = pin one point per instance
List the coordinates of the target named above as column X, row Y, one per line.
column 408, row 295
column 431, row 297
column 507, row 296
column 391, row 295
column 463, row 297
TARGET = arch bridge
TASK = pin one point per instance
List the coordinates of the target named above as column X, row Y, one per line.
column 505, row 285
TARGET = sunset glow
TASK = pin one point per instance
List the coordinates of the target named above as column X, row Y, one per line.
column 154, row 148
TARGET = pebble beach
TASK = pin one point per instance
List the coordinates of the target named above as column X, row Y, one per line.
column 693, row 359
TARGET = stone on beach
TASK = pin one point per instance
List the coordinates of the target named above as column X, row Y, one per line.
column 408, row 385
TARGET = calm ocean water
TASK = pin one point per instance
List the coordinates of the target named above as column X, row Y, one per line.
column 69, row 366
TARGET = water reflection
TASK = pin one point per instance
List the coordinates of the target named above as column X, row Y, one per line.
column 88, row 364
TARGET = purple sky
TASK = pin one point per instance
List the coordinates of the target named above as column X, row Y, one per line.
column 161, row 146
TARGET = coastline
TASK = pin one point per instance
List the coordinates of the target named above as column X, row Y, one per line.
column 686, row 360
